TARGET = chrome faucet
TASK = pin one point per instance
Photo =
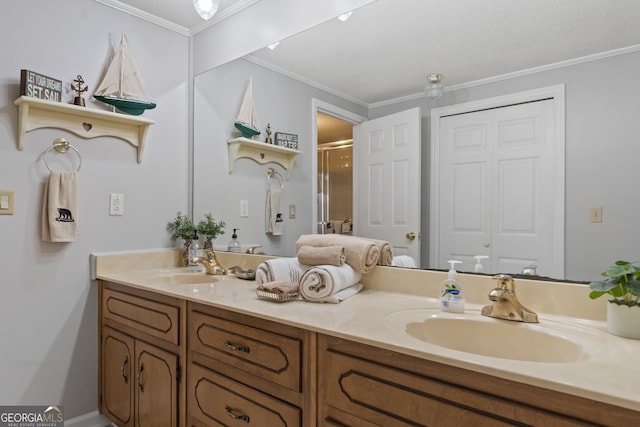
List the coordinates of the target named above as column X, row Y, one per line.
column 210, row 263
column 505, row 302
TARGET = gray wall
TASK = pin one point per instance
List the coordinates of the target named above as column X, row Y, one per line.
column 285, row 104
column 602, row 151
column 48, row 304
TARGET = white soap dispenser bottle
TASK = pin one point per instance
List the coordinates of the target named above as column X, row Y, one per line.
column 195, row 251
column 451, row 291
column 479, row 268
column 234, row 244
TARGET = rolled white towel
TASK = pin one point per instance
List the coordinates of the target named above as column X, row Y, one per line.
column 343, row 294
column 322, row 281
column 281, row 270
column 403, row 261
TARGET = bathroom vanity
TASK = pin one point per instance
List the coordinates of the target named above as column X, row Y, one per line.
column 181, row 348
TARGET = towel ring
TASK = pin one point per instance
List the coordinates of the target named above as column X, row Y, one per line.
column 61, row 145
column 275, row 175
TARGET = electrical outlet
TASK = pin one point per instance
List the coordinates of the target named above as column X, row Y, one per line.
column 595, row 214
column 116, row 204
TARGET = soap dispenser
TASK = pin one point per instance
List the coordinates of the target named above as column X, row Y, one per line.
column 479, row 268
column 451, row 291
column 195, row 251
column 234, row 244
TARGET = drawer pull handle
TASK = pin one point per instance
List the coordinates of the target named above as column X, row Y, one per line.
column 140, row 385
column 242, row 348
column 235, row 416
column 124, row 364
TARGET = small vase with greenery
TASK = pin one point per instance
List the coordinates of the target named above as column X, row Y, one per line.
column 209, row 229
column 181, row 227
column 623, row 311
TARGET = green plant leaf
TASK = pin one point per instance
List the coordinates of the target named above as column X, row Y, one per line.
column 634, row 287
column 604, row 286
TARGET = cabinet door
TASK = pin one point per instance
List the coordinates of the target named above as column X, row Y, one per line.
column 156, row 386
column 117, row 377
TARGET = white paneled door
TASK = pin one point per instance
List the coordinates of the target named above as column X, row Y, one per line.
column 387, row 181
column 498, row 177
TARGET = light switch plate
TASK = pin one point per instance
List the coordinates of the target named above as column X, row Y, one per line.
column 6, row 202
column 595, row 214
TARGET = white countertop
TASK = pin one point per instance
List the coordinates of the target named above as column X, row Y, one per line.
column 609, row 370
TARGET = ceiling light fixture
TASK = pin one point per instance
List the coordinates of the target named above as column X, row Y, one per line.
column 434, row 86
column 206, row 8
column 345, row 16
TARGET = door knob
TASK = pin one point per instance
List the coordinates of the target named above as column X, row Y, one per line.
column 486, row 244
column 411, row 236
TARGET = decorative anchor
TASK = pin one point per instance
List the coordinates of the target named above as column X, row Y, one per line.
column 79, row 100
column 268, row 131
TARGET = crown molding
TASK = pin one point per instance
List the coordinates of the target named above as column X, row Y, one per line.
column 219, row 16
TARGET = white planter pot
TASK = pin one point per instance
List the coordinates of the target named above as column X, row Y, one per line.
column 623, row 320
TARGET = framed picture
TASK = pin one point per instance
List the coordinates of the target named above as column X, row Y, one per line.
column 288, row 140
column 36, row 85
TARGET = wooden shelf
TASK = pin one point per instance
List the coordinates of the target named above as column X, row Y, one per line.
column 262, row 153
column 34, row 113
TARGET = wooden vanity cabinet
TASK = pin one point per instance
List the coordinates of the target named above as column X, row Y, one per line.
column 360, row 385
column 245, row 370
column 140, row 354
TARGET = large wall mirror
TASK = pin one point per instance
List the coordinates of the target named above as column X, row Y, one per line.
column 601, row 130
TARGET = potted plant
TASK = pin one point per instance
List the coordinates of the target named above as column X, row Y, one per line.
column 181, row 227
column 210, row 229
column 623, row 311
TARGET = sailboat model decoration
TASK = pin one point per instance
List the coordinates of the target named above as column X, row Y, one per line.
column 122, row 85
column 247, row 121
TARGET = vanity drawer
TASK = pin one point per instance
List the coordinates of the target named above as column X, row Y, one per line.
column 220, row 401
column 386, row 396
column 263, row 353
column 150, row 316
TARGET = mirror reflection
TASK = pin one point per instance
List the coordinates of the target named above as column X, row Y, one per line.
column 599, row 134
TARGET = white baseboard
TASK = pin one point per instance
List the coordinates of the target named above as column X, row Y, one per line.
column 92, row 419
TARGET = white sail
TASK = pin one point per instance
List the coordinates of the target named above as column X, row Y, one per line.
column 247, row 114
column 122, row 79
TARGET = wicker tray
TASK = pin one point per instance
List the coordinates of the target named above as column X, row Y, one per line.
column 277, row 296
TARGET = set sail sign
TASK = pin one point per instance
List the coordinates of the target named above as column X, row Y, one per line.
column 37, row 85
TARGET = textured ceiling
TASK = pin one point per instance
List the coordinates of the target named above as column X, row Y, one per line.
column 388, row 47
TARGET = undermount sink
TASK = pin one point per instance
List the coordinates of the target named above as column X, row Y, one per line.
column 182, row 278
column 492, row 337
